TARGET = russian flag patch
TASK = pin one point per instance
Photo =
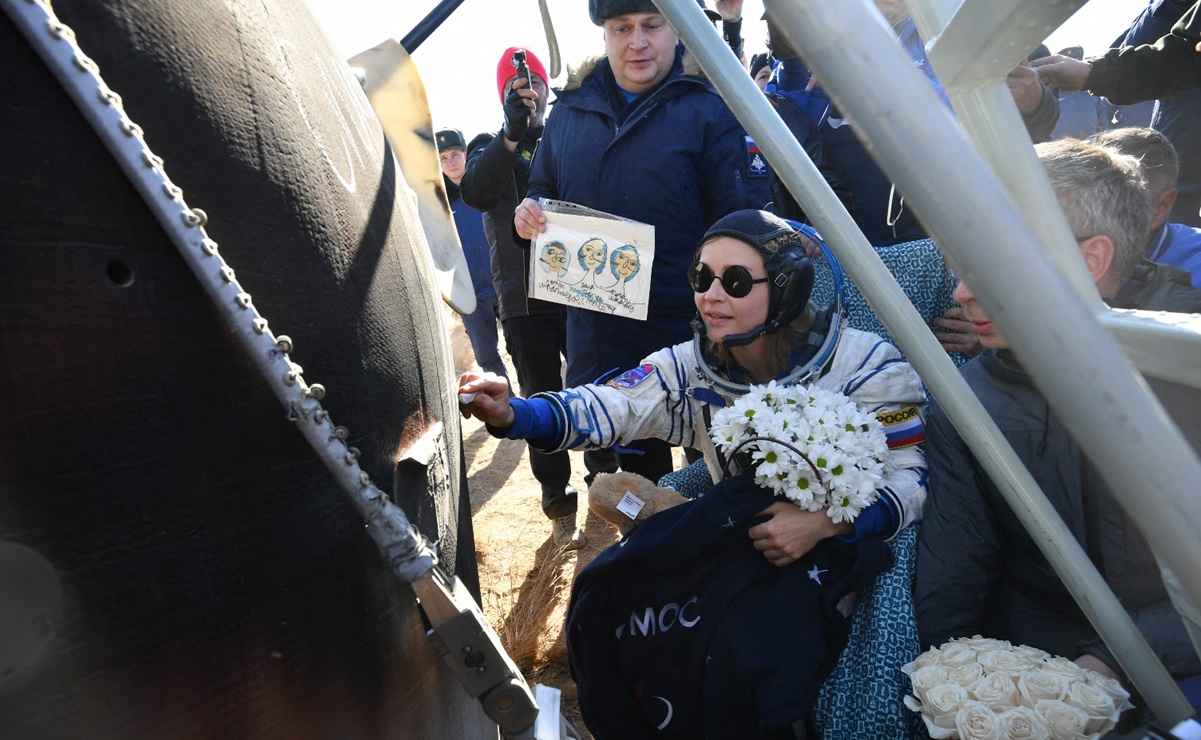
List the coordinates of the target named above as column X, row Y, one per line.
column 755, row 163
column 631, row 378
column 903, row 427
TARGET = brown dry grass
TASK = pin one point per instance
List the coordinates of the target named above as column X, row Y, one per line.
column 523, row 603
column 526, row 606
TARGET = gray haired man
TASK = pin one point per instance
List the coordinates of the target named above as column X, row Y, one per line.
column 978, row 570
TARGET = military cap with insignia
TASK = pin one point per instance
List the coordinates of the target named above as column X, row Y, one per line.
column 450, row 139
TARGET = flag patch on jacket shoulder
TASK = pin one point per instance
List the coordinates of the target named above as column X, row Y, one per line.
column 903, row 427
column 755, row 163
column 631, row 378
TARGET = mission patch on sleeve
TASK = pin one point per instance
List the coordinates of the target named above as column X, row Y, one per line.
column 631, row 378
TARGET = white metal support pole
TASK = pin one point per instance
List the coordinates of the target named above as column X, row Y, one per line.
column 959, row 42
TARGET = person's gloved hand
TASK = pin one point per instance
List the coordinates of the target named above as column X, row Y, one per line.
column 518, row 109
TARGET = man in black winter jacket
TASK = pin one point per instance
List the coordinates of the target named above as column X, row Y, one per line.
column 978, row 570
column 497, row 176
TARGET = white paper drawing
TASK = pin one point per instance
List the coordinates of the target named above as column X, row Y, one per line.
column 593, row 261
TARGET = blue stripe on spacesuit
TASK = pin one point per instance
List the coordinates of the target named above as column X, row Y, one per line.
column 867, row 358
column 893, row 502
column 568, row 421
column 680, row 408
column 709, row 396
column 592, row 410
column 850, row 389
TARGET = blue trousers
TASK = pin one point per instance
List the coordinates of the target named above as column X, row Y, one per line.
column 482, row 331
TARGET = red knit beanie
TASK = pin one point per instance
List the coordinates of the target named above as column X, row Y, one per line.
column 505, row 69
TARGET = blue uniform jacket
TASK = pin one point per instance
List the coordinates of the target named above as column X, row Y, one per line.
column 1081, row 115
column 675, row 158
column 470, row 225
column 1177, row 245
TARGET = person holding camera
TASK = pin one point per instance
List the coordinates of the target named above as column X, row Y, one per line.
column 496, row 178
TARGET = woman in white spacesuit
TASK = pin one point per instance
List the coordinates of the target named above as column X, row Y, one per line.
column 753, row 278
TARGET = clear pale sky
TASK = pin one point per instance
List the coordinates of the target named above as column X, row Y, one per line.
column 458, row 62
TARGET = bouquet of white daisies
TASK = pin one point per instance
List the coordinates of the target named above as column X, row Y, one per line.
column 985, row 689
column 811, row 445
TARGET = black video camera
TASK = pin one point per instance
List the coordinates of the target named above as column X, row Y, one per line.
column 523, row 69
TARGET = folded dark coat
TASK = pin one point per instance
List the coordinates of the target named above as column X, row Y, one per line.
column 685, row 630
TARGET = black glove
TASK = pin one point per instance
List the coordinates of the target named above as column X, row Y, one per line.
column 517, row 116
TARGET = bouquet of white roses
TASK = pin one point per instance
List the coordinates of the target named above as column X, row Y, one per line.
column 984, row 689
column 811, row 445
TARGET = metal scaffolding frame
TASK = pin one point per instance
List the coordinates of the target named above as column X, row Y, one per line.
column 995, row 218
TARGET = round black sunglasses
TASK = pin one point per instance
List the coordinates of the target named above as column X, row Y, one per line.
column 736, row 282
